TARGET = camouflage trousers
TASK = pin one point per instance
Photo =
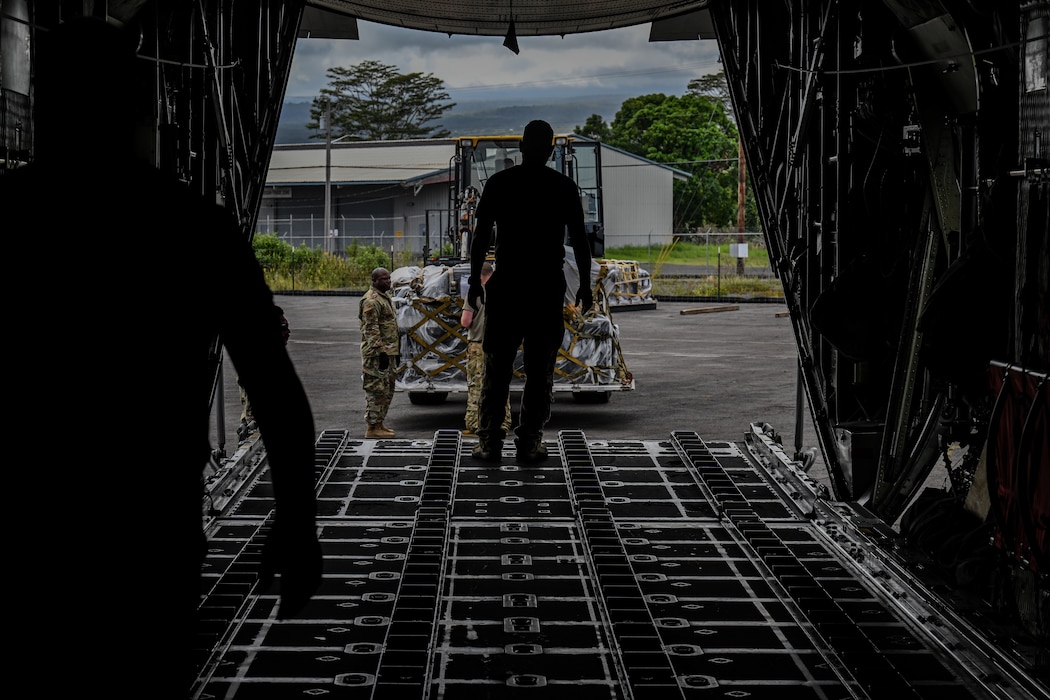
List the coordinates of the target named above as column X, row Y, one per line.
column 475, row 372
column 379, row 389
column 247, row 415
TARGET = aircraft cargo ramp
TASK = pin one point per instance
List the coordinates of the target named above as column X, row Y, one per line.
column 672, row 568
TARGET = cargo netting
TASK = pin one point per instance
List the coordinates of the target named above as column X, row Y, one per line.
column 625, row 282
column 428, row 301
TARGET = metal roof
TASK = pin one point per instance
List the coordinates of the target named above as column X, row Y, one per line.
column 359, row 162
column 672, row 20
column 375, row 162
column 531, row 17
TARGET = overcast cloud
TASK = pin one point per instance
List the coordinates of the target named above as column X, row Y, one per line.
column 473, row 67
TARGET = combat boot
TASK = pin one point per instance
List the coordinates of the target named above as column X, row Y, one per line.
column 488, row 452
column 378, row 431
column 530, row 452
column 387, row 432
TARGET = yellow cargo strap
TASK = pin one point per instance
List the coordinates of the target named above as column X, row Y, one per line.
column 440, row 314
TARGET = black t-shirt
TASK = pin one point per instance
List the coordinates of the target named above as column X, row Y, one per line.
column 531, row 205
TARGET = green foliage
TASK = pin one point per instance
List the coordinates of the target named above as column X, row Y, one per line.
column 271, row 251
column 447, row 250
column 693, row 253
column 306, row 268
column 373, row 101
column 594, row 128
column 713, row 85
column 692, row 132
column 404, row 258
column 365, row 258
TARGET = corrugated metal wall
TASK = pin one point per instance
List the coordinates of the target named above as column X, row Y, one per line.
column 638, row 195
column 638, row 200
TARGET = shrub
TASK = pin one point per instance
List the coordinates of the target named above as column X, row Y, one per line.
column 367, row 258
column 303, row 268
column 271, row 251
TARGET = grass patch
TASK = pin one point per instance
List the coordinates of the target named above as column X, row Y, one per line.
column 304, row 269
column 712, row 286
column 681, row 252
column 702, row 256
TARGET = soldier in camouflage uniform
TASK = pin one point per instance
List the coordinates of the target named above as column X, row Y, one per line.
column 379, row 352
column 474, row 321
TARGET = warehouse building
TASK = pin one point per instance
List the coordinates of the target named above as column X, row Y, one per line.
column 395, row 195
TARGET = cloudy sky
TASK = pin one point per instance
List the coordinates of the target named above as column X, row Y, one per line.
column 616, row 61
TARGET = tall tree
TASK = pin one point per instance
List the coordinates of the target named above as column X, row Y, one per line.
column 594, row 128
column 713, row 85
column 691, row 132
column 373, row 101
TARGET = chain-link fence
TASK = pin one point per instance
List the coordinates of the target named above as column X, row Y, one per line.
column 398, row 234
column 423, row 236
column 659, row 246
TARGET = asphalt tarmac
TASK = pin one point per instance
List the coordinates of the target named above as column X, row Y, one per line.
column 714, row 373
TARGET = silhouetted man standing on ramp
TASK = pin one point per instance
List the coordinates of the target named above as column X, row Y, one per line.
column 531, row 207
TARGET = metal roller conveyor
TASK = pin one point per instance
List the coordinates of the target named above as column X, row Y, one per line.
column 616, row 569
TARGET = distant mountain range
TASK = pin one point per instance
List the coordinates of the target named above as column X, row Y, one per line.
column 478, row 117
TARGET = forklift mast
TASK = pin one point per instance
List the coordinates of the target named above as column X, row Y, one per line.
column 478, row 157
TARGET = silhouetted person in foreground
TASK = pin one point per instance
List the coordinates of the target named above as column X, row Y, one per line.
column 531, row 206
column 136, row 275
column 248, row 424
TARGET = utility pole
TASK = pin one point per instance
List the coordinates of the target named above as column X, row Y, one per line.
column 740, row 191
column 328, row 174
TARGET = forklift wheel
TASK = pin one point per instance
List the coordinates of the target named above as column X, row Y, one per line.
column 591, row 396
column 427, row 398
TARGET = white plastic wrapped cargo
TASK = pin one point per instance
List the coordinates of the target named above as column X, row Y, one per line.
column 433, row 344
column 429, row 299
column 627, row 284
